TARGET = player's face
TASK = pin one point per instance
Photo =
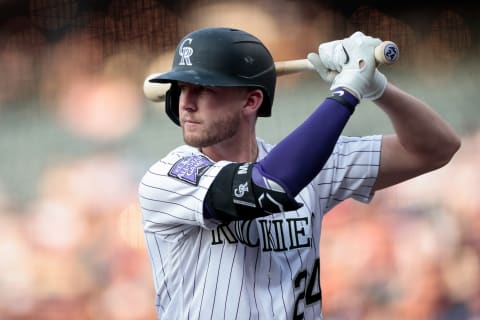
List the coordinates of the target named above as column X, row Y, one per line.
column 209, row 115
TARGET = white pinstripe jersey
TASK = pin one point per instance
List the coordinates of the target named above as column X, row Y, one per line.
column 267, row 268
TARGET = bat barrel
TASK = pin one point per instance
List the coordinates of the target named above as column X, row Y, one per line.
column 155, row 91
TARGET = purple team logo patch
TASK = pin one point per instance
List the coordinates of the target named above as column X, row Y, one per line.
column 190, row 169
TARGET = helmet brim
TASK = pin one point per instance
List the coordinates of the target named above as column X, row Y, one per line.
column 199, row 77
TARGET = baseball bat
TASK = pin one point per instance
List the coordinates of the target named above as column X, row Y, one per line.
column 385, row 53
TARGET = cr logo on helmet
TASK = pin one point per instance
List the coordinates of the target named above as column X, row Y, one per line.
column 185, row 53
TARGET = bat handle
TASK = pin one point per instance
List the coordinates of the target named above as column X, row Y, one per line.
column 292, row 66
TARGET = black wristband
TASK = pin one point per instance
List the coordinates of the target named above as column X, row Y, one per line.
column 343, row 102
column 345, row 98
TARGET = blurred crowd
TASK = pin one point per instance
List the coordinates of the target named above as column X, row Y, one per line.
column 75, row 250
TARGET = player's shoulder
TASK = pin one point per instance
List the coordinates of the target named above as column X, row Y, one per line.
column 183, row 164
column 182, row 151
column 175, row 155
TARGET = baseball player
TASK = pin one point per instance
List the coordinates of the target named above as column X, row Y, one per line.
column 232, row 224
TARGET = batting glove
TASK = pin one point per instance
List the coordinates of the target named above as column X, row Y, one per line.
column 327, row 74
column 376, row 87
column 329, row 60
column 332, row 56
column 359, row 73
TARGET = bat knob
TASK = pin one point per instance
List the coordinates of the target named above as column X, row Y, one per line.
column 387, row 53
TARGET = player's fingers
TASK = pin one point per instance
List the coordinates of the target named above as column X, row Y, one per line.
column 315, row 60
column 332, row 55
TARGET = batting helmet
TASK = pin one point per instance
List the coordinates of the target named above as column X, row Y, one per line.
column 220, row 57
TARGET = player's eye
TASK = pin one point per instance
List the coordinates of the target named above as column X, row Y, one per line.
column 208, row 89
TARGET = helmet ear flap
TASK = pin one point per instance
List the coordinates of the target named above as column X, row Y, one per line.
column 172, row 99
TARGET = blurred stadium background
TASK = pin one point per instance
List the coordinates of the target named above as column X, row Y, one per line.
column 76, row 135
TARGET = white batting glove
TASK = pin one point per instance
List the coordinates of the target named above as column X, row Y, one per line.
column 359, row 68
column 329, row 60
column 327, row 74
column 332, row 57
column 377, row 86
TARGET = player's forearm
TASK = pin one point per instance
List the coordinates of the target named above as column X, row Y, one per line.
column 420, row 130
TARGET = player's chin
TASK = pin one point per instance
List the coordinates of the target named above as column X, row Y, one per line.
column 194, row 139
column 200, row 139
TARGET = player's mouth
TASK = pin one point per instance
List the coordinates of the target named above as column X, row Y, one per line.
column 189, row 122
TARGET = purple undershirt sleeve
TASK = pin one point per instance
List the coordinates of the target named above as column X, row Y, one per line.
column 300, row 156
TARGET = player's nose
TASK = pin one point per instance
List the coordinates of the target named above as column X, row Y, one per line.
column 187, row 100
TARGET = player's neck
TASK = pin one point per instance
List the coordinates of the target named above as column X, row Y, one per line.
column 233, row 150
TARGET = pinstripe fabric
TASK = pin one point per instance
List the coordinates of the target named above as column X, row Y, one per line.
column 267, row 268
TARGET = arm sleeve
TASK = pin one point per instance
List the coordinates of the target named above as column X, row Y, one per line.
column 298, row 158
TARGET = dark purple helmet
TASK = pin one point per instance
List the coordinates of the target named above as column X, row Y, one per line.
column 220, row 57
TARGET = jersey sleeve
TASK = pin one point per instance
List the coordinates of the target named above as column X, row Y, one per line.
column 172, row 192
column 350, row 172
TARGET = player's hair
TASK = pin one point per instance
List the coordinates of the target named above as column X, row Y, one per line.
column 220, row 57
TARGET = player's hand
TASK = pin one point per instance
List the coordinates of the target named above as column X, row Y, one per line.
column 359, row 73
column 377, row 86
column 329, row 60
column 327, row 74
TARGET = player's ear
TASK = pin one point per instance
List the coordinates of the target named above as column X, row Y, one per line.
column 253, row 101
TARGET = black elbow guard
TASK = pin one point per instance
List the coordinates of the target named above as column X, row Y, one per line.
column 234, row 195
